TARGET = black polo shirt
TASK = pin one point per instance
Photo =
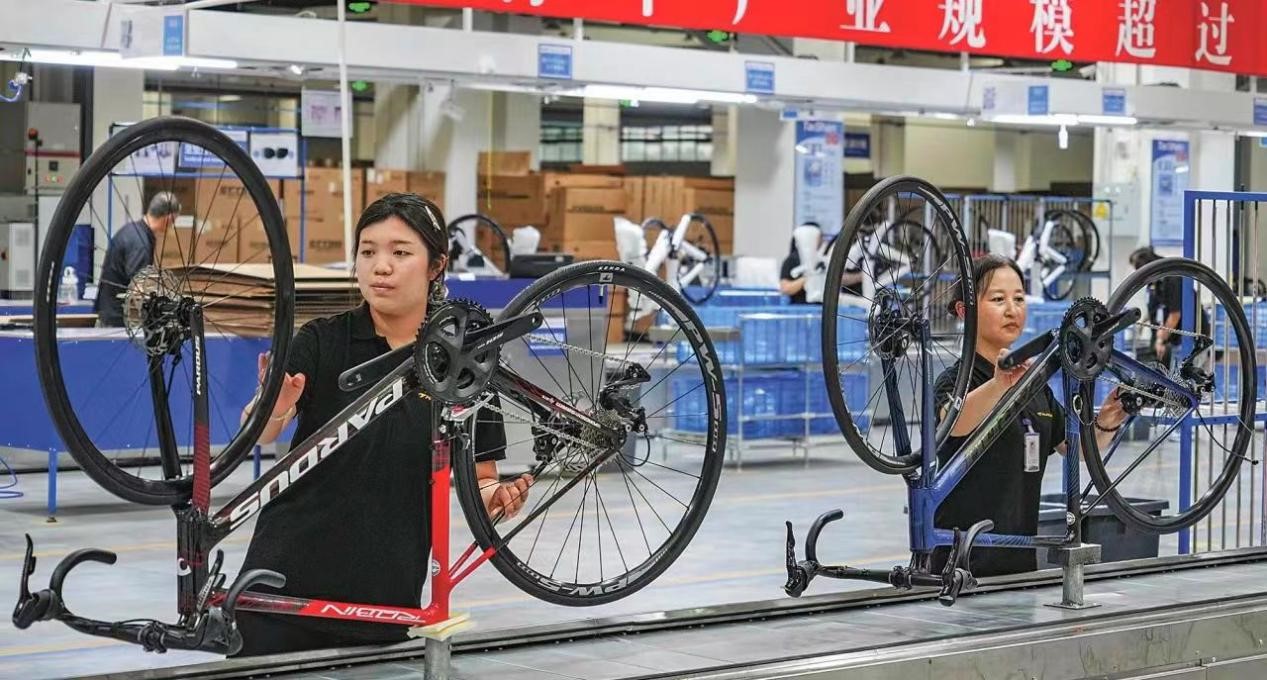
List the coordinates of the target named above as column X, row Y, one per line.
column 357, row 527
column 131, row 249
column 997, row 487
column 790, row 263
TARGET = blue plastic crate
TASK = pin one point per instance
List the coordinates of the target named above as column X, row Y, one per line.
column 747, row 298
column 761, row 396
column 1257, row 326
column 1233, row 379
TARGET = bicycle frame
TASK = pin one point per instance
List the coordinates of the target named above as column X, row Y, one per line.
column 929, row 485
column 672, row 247
column 199, row 530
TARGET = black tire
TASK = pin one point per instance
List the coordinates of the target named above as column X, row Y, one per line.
column 1236, row 456
column 501, row 243
column 79, row 192
column 514, row 566
column 959, row 269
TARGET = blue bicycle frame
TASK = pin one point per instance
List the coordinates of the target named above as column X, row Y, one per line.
column 931, row 488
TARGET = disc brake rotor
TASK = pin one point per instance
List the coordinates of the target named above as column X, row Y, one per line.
column 155, row 315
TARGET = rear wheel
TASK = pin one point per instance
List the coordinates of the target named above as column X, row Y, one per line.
column 604, row 517
column 124, row 394
column 1223, row 374
column 873, row 328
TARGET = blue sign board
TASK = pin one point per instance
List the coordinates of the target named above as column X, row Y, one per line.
column 857, row 145
column 554, row 61
column 759, row 77
column 1038, row 100
column 174, row 35
column 1170, row 180
column 1113, row 102
column 1260, row 111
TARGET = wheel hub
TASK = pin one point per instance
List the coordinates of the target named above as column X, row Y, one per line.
column 156, row 316
column 891, row 325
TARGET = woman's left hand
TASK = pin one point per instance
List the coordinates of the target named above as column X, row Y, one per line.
column 510, row 497
column 1112, row 414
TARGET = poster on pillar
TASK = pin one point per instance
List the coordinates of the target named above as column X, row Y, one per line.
column 1170, row 180
column 820, row 179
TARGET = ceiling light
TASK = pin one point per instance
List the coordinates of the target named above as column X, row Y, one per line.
column 1252, row 133
column 666, row 95
column 1088, row 119
column 114, row 60
column 1020, row 119
column 297, row 69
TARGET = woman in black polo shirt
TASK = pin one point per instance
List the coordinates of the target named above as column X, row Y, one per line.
column 357, row 530
column 999, row 487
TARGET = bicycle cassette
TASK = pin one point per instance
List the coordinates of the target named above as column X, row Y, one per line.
column 446, row 372
column 1082, row 355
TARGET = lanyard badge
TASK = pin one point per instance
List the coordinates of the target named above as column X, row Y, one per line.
column 1032, row 452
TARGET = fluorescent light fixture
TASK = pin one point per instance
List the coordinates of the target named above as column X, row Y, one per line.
column 297, row 69
column 971, row 122
column 939, row 115
column 1252, row 133
column 1021, row 119
column 1095, row 119
column 115, row 60
column 665, row 95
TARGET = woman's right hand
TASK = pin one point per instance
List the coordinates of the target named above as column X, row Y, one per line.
column 292, row 388
column 1005, row 379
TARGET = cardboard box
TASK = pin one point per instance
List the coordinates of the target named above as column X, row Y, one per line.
column 511, row 186
column 590, row 250
column 323, row 241
column 710, row 183
column 512, row 201
column 634, row 189
column 379, row 183
column 572, row 227
column 429, row 185
column 568, row 201
column 174, row 248
column 567, row 180
column 225, row 211
column 505, row 162
column 709, row 202
column 321, row 193
column 253, row 244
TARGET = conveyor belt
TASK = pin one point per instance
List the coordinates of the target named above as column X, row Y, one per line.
column 1172, row 612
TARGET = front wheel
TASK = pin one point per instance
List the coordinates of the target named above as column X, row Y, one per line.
column 612, row 506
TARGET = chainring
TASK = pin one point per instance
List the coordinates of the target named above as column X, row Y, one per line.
column 446, row 373
column 1081, row 355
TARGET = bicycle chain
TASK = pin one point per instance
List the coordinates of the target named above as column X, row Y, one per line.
column 487, row 403
column 579, row 350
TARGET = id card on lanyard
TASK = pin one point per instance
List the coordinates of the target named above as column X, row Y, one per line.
column 1033, row 456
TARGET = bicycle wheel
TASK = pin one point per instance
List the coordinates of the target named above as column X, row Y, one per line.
column 875, row 323
column 1224, row 376
column 220, row 252
column 485, row 250
column 1090, row 239
column 602, row 522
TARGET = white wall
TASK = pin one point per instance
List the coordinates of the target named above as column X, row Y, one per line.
column 1048, row 163
column 951, row 157
column 454, row 147
column 517, row 123
column 765, row 174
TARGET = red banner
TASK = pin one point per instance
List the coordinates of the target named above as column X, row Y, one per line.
column 1206, row 34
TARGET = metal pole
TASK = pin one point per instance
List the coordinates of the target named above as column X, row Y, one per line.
column 436, row 663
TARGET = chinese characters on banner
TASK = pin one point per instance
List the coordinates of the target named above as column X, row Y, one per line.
column 1209, row 34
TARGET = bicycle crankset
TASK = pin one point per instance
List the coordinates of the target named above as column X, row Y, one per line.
column 1084, row 353
column 448, row 373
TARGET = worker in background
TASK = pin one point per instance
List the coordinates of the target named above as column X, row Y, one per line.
column 1165, row 306
column 792, row 276
column 130, row 251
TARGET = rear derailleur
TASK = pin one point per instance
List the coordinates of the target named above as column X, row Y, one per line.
column 213, row 629
column 954, row 580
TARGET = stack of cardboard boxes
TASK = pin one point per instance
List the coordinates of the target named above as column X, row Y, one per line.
column 317, row 202
column 668, row 198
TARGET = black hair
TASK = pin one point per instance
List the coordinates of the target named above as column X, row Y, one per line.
column 983, row 268
column 163, row 204
column 420, row 214
column 1143, row 255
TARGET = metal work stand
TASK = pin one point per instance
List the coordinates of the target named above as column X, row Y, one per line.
column 1071, row 560
column 436, row 662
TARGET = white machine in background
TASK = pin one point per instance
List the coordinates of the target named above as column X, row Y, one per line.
column 17, row 259
column 525, row 241
column 1043, row 262
column 813, row 254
